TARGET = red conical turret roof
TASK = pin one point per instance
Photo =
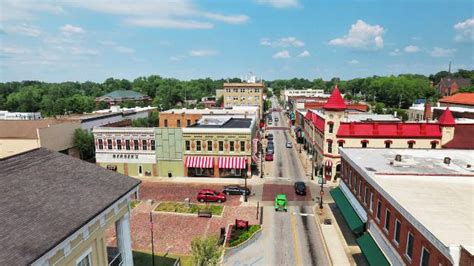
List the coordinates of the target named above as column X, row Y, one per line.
column 446, row 119
column 335, row 101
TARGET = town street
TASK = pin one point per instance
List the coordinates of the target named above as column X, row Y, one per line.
column 288, row 238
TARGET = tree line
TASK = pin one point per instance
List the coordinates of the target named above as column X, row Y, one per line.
column 78, row 97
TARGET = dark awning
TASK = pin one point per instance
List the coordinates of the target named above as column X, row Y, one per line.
column 371, row 250
column 351, row 217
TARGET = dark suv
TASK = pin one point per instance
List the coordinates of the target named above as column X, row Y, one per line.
column 235, row 190
column 300, row 188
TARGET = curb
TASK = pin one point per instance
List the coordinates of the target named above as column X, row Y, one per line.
column 183, row 213
column 246, row 241
column 318, row 224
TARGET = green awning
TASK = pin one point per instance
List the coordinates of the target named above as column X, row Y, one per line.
column 351, row 217
column 371, row 250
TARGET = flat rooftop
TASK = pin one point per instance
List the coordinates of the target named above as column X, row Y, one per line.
column 439, row 196
column 356, row 117
column 229, row 111
column 232, row 122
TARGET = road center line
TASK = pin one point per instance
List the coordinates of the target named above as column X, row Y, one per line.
column 296, row 243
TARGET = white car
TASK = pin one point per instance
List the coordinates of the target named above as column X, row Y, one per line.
column 289, row 145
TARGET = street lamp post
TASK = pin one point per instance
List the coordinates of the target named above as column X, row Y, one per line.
column 312, row 169
column 245, row 192
column 321, row 193
column 261, row 160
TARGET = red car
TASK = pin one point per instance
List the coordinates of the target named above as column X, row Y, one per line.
column 206, row 195
column 269, row 157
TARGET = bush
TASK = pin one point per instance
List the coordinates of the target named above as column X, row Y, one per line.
column 241, row 235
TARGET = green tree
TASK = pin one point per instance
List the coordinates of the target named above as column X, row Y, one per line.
column 83, row 140
column 140, row 122
column 205, row 251
column 379, row 108
column 220, row 101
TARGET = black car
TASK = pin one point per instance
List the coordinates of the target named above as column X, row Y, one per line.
column 270, row 148
column 300, row 188
column 235, row 190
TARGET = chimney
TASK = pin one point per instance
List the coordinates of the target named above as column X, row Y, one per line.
column 427, row 112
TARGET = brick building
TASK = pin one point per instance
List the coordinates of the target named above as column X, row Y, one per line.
column 449, row 85
column 409, row 207
column 180, row 118
column 120, row 96
column 244, row 94
column 333, row 127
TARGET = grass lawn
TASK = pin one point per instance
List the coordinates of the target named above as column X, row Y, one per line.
column 134, row 203
column 144, row 259
column 239, row 236
column 193, row 208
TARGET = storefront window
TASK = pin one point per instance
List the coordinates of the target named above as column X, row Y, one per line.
column 221, row 146
column 209, row 145
column 201, row 172
column 198, row 145
column 242, row 146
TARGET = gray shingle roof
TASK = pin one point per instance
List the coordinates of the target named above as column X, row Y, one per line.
column 45, row 196
column 125, row 94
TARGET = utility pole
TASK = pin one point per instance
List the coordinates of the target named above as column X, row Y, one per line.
column 152, row 244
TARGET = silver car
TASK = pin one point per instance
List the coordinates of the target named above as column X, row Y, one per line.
column 289, row 145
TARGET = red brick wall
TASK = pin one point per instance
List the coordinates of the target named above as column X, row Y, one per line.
column 173, row 119
column 466, row 258
column 436, row 257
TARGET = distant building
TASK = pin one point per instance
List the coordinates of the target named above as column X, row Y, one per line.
column 305, row 93
column 244, row 94
column 116, row 116
column 6, row 115
column 465, row 99
column 303, row 102
column 56, row 210
column 176, row 118
column 426, row 112
column 120, row 96
column 219, row 146
column 449, row 85
column 409, row 207
column 325, row 131
column 18, row 136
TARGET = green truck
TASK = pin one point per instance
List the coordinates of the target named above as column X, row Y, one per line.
column 280, row 202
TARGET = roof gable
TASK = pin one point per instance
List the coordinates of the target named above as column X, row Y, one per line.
column 446, row 119
column 335, row 101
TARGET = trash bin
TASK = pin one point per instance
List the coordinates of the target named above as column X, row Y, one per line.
column 170, row 175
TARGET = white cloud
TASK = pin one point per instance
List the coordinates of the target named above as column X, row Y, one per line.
column 395, row 52
column 177, row 58
column 83, row 51
column 282, row 55
column 168, row 23
column 361, row 35
column 280, row 3
column 178, row 14
column 10, row 50
column 442, row 52
column 15, row 10
column 24, row 29
column 353, row 62
column 231, row 19
column 464, row 30
column 282, row 42
column 411, row 49
column 124, row 50
column 202, row 53
column 305, row 53
column 70, row 29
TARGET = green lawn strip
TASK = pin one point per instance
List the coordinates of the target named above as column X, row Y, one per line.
column 144, row 259
column 134, row 203
column 239, row 236
column 180, row 207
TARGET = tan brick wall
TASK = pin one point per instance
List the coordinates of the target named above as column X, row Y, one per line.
column 172, row 119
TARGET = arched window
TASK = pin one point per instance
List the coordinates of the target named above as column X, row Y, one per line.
column 364, row 143
column 331, row 126
column 411, row 143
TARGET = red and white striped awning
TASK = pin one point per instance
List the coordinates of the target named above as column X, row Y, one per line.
column 232, row 162
column 328, row 163
column 199, row 162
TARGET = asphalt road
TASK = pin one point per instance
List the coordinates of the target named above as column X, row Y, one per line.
column 294, row 236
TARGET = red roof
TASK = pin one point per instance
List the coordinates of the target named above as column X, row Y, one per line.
column 335, row 101
column 465, row 98
column 388, row 130
column 446, row 119
column 318, row 121
column 462, row 137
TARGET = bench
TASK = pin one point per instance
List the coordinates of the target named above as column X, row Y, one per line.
column 204, row 213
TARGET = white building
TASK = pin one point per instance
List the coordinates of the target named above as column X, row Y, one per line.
column 6, row 115
column 304, row 92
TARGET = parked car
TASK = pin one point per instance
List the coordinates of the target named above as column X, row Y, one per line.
column 236, row 190
column 206, row 195
column 269, row 157
column 269, row 122
column 300, row 188
column 280, row 202
column 289, row 144
column 270, row 148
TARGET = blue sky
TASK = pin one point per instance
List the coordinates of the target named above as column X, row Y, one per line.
column 96, row 39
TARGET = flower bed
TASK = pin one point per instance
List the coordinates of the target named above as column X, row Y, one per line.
column 241, row 235
column 180, row 207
